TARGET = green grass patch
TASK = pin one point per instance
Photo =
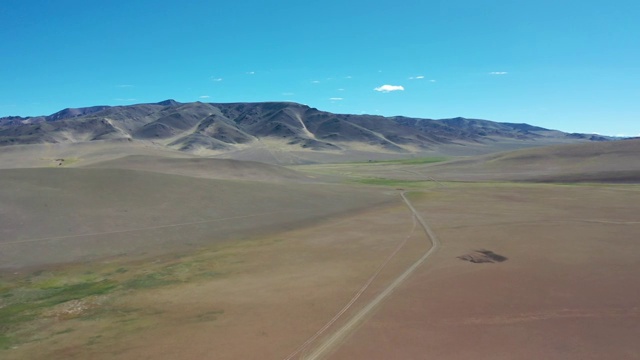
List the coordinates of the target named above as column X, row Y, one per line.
column 411, row 161
column 148, row 281
column 16, row 313
column 79, row 291
column 392, row 182
column 27, row 299
column 28, row 304
column 5, row 342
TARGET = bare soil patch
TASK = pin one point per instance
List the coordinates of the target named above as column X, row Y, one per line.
column 483, row 257
column 568, row 291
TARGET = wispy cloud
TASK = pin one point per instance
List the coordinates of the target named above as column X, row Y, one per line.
column 389, row 88
column 336, row 99
column 213, row 78
column 341, row 89
column 348, row 77
column 204, row 97
column 498, row 73
column 315, row 82
column 419, row 77
column 250, row 72
column 432, row 80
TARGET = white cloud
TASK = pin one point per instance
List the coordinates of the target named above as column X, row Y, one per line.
column 341, row 89
column 498, row 73
column 216, row 79
column 336, row 99
column 315, row 82
column 432, row 80
column 348, row 77
column 251, row 72
column 416, row 77
column 205, row 97
column 389, row 88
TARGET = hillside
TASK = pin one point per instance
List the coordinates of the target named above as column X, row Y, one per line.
column 613, row 162
column 59, row 215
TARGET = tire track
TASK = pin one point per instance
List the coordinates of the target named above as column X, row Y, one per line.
column 309, row 341
column 340, row 334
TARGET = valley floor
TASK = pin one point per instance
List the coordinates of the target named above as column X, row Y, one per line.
column 212, row 265
column 567, row 288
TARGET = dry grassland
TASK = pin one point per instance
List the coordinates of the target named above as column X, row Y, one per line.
column 156, row 258
column 256, row 299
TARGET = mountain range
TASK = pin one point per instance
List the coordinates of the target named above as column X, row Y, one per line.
column 222, row 127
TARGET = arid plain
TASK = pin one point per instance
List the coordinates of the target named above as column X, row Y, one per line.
column 146, row 254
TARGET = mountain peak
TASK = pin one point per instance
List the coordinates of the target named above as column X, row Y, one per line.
column 168, row 102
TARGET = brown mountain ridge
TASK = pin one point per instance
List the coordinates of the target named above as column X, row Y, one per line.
column 222, row 127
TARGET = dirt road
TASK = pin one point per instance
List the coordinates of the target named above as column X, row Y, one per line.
column 335, row 339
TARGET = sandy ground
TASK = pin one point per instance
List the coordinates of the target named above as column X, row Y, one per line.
column 569, row 289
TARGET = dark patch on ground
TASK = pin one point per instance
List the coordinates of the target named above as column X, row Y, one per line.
column 483, row 256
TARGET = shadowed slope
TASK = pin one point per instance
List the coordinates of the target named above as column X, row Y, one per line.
column 61, row 215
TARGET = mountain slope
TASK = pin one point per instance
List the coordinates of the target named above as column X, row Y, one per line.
column 217, row 128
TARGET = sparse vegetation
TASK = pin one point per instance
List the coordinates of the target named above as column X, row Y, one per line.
column 5, row 342
column 411, row 161
column 392, row 182
column 29, row 301
column 40, row 294
column 148, row 281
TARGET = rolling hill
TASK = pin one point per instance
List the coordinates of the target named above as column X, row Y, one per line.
column 609, row 162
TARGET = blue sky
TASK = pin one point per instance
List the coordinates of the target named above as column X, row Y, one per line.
column 563, row 64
